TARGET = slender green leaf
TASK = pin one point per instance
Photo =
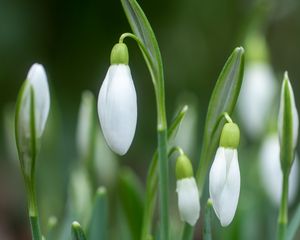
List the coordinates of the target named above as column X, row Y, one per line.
column 97, row 229
column 130, row 194
column 152, row 178
column 77, row 232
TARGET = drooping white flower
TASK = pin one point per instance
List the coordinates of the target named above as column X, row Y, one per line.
column 117, row 108
column 117, row 104
column 188, row 200
column 271, row 174
column 31, row 114
column 256, row 98
column 187, row 191
column 224, row 176
column 224, row 184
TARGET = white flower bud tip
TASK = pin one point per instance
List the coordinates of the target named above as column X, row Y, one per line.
column 32, row 111
column 188, row 200
column 117, row 108
column 38, row 79
column 224, row 184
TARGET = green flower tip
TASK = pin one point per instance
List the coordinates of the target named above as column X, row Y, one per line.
column 230, row 136
column 184, row 168
column 119, row 54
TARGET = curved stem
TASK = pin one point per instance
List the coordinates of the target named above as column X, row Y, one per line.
column 227, row 117
column 175, row 149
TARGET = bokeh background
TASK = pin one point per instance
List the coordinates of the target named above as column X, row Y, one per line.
column 73, row 39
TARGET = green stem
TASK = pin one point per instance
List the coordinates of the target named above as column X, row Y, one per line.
column 227, row 117
column 207, row 221
column 33, row 210
column 35, row 228
column 283, row 211
column 163, row 183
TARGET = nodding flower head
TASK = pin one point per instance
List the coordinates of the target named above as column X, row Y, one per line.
column 224, row 176
column 117, row 104
column 187, row 190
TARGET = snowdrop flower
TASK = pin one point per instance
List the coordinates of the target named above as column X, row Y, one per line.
column 256, row 98
column 117, row 105
column 187, row 190
column 224, row 176
column 271, row 174
column 32, row 111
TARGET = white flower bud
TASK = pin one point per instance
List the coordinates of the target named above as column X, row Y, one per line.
column 224, row 184
column 188, row 200
column 31, row 114
column 117, row 108
column 271, row 174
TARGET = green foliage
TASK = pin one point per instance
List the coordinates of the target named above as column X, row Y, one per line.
column 77, row 232
column 98, row 226
column 131, row 198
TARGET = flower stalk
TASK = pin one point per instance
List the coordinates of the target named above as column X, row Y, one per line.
column 288, row 123
column 32, row 111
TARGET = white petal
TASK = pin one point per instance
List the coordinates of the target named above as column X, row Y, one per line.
column 188, row 200
column 256, row 98
column 38, row 80
column 225, row 191
column 117, row 108
column 271, row 174
column 217, row 178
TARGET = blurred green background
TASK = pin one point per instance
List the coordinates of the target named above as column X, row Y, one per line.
column 73, row 40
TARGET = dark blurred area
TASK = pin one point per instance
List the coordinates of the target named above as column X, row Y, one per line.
column 73, row 40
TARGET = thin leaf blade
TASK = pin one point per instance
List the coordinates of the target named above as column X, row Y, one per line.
column 99, row 221
column 142, row 29
column 131, row 197
column 77, row 232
